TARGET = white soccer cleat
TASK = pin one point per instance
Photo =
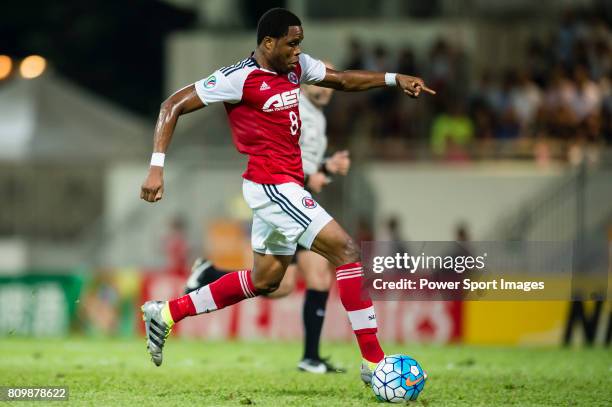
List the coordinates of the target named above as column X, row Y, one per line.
column 156, row 329
column 318, row 366
column 367, row 370
column 311, row 366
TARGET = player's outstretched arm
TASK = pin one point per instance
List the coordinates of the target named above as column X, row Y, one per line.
column 354, row 81
column 181, row 102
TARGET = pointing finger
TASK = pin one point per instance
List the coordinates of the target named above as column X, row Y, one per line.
column 428, row 90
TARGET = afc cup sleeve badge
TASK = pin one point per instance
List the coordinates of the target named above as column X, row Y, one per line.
column 210, row 82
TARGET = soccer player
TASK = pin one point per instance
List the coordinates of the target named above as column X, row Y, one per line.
column 316, row 269
column 260, row 94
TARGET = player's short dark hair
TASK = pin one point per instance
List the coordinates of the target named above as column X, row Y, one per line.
column 275, row 23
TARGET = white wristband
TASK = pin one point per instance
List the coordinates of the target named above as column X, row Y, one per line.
column 390, row 79
column 157, row 159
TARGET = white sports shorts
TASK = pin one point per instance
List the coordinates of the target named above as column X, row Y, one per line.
column 283, row 216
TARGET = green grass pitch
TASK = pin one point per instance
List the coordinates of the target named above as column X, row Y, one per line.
column 118, row 372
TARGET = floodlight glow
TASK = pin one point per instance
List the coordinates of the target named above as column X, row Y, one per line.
column 32, row 66
column 6, row 65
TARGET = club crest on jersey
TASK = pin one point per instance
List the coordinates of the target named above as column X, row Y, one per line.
column 282, row 101
column 292, row 78
column 309, row 203
column 210, row 82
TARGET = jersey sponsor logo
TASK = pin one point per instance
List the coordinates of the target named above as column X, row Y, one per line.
column 292, row 78
column 282, row 101
column 210, row 82
column 309, row 203
column 264, row 86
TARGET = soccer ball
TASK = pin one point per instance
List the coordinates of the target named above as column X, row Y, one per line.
column 398, row 378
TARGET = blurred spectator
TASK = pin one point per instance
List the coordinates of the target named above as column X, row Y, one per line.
column 486, row 93
column 460, row 84
column 526, row 100
column 600, row 60
column 408, row 117
column 587, row 98
column 459, row 248
column 406, row 62
column 566, row 37
column 542, row 151
column 100, row 310
column 582, row 150
column 507, row 126
column 451, row 133
column 356, row 56
column 558, row 97
column 440, row 64
column 392, row 234
column 364, row 231
column 395, row 235
column 177, row 248
column 537, row 62
column 383, row 101
column 461, row 233
column 393, row 229
column 379, row 61
column 484, row 120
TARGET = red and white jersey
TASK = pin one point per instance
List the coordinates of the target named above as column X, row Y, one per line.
column 263, row 111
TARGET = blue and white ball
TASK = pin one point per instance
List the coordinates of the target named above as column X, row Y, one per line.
column 398, row 378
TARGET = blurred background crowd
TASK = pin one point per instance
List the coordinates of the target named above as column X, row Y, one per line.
column 557, row 102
